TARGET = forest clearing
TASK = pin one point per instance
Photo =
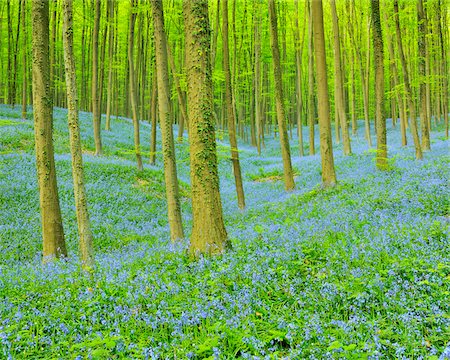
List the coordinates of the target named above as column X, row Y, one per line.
column 224, row 179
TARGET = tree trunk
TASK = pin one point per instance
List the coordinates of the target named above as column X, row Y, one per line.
column 400, row 100
column 230, row 110
column 24, row 61
column 165, row 119
column 110, row 64
column 380, row 119
column 52, row 229
column 423, row 75
column 298, row 78
column 338, row 82
column 257, row 89
column 289, row 183
column 412, row 109
column 326, row 147
column 95, row 92
column 153, row 115
column 84, row 229
column 132, row 79
column 208, row 231
column 311, row 117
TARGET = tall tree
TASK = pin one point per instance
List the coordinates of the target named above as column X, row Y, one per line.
column 423, row 75
column 298, row 76
column 84, row 228
column 412, row 108
column 311, row 113
column 109, row 88
column 208, row 230
column 326, row 147
column 257, row 90
column 338, row 82
column 52, row 228
column 230, row 109
column 132, row 85
column 94, row 86
column 289, row 183
column 24, row 60
column 380, row 119
column 165, row 120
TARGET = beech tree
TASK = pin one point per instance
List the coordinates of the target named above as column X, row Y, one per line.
column 230, row 110
column 380, row 120
column 54, row 245
column 288, row 174
column 84, row 228
column 326, row 147
column 208, row 230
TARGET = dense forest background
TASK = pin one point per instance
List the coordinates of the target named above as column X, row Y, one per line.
column 424, row 38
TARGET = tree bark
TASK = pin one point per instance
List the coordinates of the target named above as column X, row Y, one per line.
column 412, row 109
column 423, row 75
column 338, row 82
column 208, row 232
column 84, row 229
column 165, row 119
column 230, row 110
column 94, row 89
column 289, row 183
column 132, row 83
column 380, row 119
column 52, row 229
column 311, row 117
column 326, row 147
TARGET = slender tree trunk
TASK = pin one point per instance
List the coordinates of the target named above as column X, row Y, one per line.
column 10, row 54
column 84, row 229
column 180, row 95
column 24, row 61
column 366, row 89
column 257, row 89
column 110, row 64
column 52, row 228
column 380, row 119
column 311, row 116
column 132, row 78
column 444, row 65
column 208, row 230
column 423, row 76
column 230, row 109
column 298, row 83
column 326, row 147
column 289, row 183
column 153, row 116
column 338, row 83
column 95, row 91
column 165, row 118
column 395, row 78
column 412, row 109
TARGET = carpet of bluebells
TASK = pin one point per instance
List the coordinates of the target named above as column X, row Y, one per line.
column 360, row 271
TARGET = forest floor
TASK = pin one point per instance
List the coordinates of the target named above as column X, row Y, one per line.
column 358, row 271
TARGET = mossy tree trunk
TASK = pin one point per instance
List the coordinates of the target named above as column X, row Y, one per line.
column 208, row 232
column 52, row 228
